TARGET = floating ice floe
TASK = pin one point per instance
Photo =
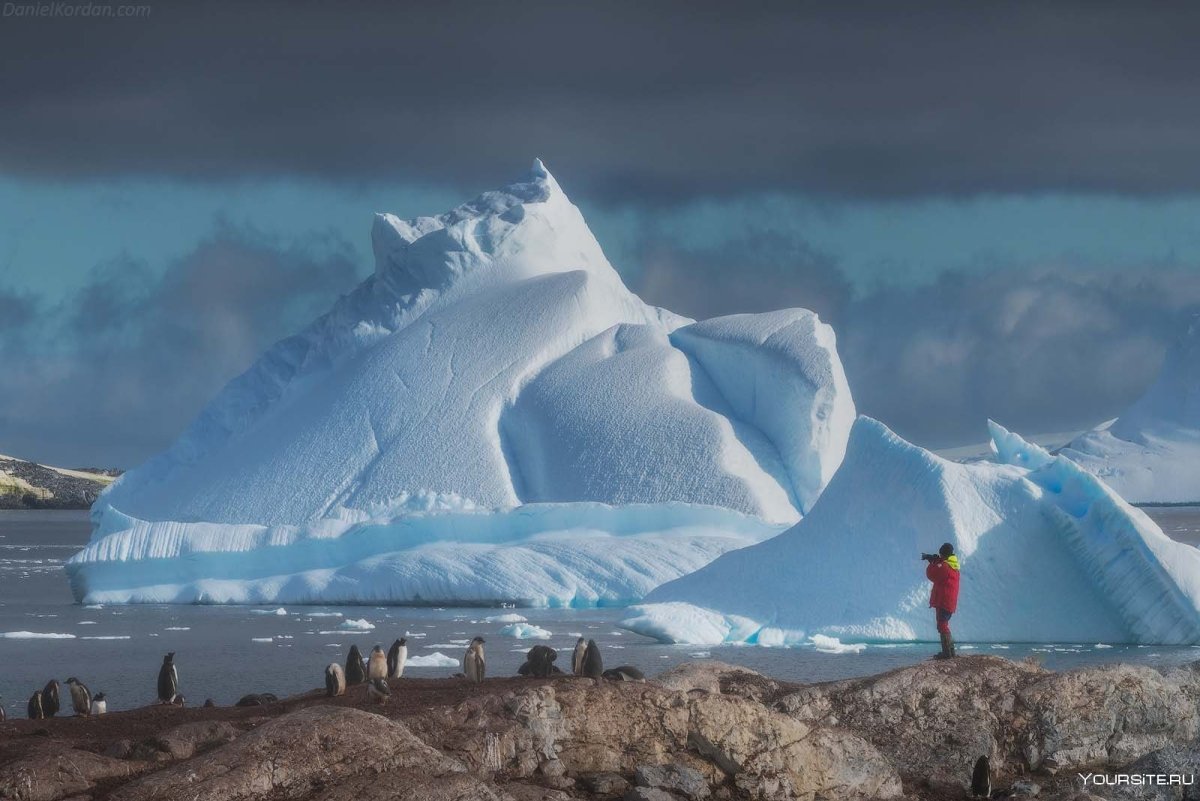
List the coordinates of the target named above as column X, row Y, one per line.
column 35, row 635
column 525, row 631
column 357, row 625
column 434, row 660
column 832, row 645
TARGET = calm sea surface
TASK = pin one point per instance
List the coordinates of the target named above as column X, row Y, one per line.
column 224, row 652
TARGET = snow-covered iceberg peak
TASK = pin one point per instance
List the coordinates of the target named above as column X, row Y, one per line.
column 496, row 357
column 1151, row 453
column 525, row 229
column 1048, row 552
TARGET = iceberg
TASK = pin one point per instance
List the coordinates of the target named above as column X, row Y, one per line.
column 1049, row 554
column 492, row 416
column 1151, row 453
column 525, row 631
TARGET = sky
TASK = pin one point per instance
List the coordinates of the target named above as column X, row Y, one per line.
column 995, row 205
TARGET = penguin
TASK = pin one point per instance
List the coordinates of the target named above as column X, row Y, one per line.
column 50, row 705
column 3, row 712
column 34, row 709
column 577, row 657
column 379, row 691
column 99, row 704
column 81, row 697
column 397, row 656
column 981, row 779
column 593, row 664
column 209, row 703
column 168, row 680
column 377, row 666
column 335, row 680
column 355, row 672
column 474, row 665
column 539, row 662
column 624, row 673
column 257, row 699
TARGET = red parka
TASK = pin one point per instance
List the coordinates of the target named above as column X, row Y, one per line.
column 944, row 575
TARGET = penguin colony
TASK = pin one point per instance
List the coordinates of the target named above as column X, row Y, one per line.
column 375, row 672
column 47, row 702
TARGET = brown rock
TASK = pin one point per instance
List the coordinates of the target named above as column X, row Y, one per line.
column 51, row 771
column 711, row 676
column 1107, row 715
column 933, row 720
column 605, row 784
column 318, row 748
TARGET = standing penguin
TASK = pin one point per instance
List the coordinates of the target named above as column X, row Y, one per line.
column 81, row 697
column 377, row 667
column 335, row 680
column 34, row 709
column 379, row 691
column 593, row 665
column 99, row 704
column 981, row 778
column 473, row 661
column 168, row 680
column 50, row 705
column 397, row 656
column 577, row 657
column 355, row 672
column 3, row 711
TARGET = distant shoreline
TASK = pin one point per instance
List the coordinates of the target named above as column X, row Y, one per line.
column 32, row 486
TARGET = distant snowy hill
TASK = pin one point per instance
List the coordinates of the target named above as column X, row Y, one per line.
column 1151, row 453
column 492, row 415
column 28, row 485
column 1049, row 554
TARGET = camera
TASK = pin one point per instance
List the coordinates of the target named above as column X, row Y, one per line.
column 930, row 557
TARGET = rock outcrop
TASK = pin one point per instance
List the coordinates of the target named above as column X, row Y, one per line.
column 28, row 485
column 703, row 732
column 934, row 720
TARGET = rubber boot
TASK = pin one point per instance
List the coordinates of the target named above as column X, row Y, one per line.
column 947, row 647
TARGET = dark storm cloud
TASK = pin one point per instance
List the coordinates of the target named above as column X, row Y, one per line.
column 623, row 99
column 1039, row 349
column 116, row 371
column 761, row 272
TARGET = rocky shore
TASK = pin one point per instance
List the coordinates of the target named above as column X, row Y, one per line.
column 702, row 731
column 28, row 485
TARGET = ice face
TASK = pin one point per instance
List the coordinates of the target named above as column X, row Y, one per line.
column 1151, row 453
column 565, row 555
column 1049, row 553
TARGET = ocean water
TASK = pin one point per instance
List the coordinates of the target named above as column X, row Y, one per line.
column 224, row 652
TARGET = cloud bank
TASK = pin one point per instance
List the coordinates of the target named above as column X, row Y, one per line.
column 631, row 99
column 114, row 372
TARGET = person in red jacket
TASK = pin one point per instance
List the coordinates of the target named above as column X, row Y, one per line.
column 943, row 572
